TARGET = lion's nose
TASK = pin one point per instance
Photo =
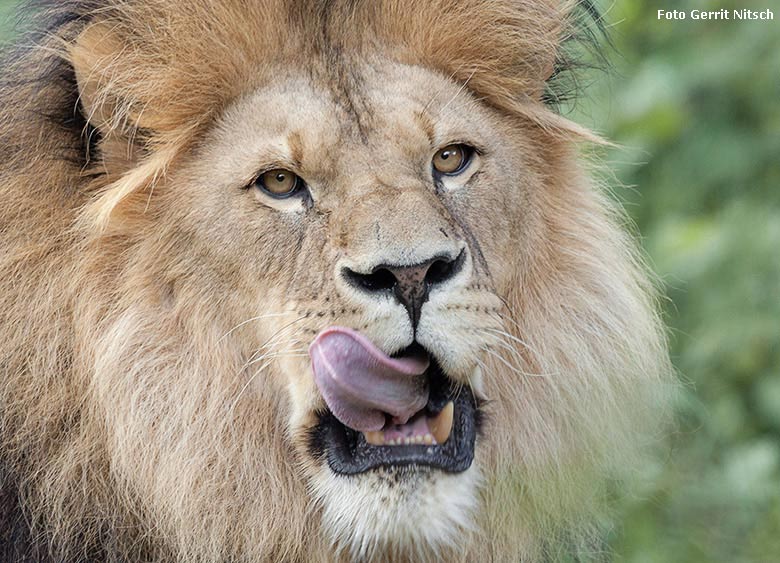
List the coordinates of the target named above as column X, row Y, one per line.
column 410, row 284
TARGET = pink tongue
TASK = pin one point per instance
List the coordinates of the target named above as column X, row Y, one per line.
column 361, row 384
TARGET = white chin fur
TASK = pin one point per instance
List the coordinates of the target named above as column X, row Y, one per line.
column 418, row 515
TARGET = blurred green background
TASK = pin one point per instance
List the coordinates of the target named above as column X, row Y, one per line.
column 695, row 108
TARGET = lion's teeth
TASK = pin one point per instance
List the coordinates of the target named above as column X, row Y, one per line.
column 439, row 430
column 376, row 438
column 441, row 425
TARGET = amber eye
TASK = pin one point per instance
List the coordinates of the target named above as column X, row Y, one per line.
column 279, row 183
column 452, row 159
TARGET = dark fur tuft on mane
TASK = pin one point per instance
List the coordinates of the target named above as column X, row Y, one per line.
column 32, row 73
column 582, row 50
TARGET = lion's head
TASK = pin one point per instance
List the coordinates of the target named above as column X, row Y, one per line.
column 311, row 280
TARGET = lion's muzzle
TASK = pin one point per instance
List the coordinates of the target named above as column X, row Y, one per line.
column 389, row 411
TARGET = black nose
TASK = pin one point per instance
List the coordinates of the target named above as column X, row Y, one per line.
column 410, row 284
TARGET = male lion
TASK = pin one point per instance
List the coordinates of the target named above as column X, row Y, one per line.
column 309, row 281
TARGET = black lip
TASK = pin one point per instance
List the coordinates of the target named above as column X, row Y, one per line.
column 348, row 453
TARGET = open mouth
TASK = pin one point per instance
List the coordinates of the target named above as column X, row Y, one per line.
column 404, row 416
column 442, row 435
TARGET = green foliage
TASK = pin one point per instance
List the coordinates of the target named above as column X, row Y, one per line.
column 695, row 107
column 6, row 12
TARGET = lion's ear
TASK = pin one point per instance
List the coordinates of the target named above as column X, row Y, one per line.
column 91, row 56
column 114, row 98
column 106, row 96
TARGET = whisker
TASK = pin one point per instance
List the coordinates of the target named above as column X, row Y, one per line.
column 285, row 327
column 436, row 95
column 279, row 354
column 268, row 361
column 514, row 368
column 268, row 348
column 519, row 357
column 273, row 340
column 462, row 87
column 246, row 386
column 257, row 318
column 513, row 338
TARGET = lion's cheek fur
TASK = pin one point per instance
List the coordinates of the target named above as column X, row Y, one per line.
column 185, row 439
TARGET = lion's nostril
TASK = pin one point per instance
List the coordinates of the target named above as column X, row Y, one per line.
column 439, row 272
column 443, row 269
column 379, row 280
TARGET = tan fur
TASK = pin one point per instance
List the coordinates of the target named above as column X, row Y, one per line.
column 155, row 394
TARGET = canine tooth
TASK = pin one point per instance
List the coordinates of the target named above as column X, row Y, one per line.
column 441, row 424
column 376, row 438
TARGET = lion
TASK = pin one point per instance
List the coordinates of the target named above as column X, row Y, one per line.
column 324, row 280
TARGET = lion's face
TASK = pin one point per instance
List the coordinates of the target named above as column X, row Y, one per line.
column 370, row 219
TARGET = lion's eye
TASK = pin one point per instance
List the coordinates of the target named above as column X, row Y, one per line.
column 279, row 183
column 452, row 159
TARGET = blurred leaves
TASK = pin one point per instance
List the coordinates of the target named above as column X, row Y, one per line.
column 695, row 106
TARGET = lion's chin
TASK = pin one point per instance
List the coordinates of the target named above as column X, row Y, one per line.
column 412, row 511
